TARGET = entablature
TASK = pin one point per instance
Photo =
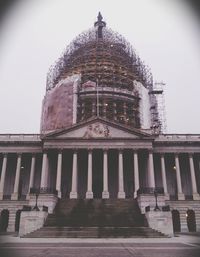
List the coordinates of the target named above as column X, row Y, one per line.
column 98, row 144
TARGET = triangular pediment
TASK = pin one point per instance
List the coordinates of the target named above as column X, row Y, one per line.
column 98, row 128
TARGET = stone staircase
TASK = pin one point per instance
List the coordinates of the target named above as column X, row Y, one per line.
column 96, row 218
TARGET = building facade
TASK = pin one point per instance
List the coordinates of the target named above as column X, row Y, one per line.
column 102, row 137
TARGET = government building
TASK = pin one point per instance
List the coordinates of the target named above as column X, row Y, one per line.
column 102, row 165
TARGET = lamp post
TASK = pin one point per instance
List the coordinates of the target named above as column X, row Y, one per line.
column 36, row 208
column 156, row 198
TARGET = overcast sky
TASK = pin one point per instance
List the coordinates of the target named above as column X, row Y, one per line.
column 165, row 33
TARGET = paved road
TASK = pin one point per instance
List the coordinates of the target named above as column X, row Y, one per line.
column 99, row 250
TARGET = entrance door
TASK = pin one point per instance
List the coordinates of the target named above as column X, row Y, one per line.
column 191, row 221
column 4, row 220
column 176, row 221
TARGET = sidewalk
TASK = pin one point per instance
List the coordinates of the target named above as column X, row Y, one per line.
column 186, row 238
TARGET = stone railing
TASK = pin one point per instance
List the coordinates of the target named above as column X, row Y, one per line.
column 178, row 137
column 20, row 137
column 43, row 190
column 150, row 190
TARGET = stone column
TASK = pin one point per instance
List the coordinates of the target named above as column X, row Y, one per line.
column 94, row 107
column 14, row 195
column 121, row 193
column 193, row 179
column 125, row 112
column 59, row 174
column 114, row 111
column 151, row 177
column 89, row 193
column 178, row 179
column 105, row 193
column 136, row 174
column 32, row 173
column 3, row 175
column 44, row 175
column 73, row 193
column 104, row 104
column 164, row 179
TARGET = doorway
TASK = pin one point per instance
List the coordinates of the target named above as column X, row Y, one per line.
column 191, row 221
column 176, row 221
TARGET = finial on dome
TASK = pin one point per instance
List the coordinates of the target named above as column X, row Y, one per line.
column 99, row 17
column 99, row 24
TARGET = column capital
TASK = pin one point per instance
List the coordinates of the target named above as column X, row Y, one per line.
column 19, row 154
column 135, row 151
column 5, row 154
column 191, row 154
column 162, row 154
column 105, row 149
column 90, row 149
column 60, row 150
column 75, row 150
column 150, row 151
column 120, row 150
column 176, row 154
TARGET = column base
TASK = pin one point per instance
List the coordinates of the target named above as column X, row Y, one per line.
column 121, row 195
column 73, row 195
column 1, row 196
column 196, row 196
column 166, row 196
column 89, row 195
column 28, row 197
column 105, row 195
column 135, row 195
column 59, row 194
column 14, row 196
column 181, row 196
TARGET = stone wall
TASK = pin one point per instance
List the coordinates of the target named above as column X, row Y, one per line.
column 31, row 221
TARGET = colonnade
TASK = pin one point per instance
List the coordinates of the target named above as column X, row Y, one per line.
column 105, row 192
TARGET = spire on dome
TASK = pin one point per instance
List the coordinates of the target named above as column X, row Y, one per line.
column 99, row 24
column 99, row 17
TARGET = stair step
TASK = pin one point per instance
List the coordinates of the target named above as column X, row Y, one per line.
column 96, row 218
column 95, row 232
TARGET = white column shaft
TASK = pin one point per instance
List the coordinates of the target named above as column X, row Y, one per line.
column 32, row 173
column 136, row 174
column 17, row 176
column 59, row 174
column 121, row 193
column 73, row 193
column 89, row 193
column 105, row 193
column 44, row 179
column 178, row 175
column 105, row 171
column 192, row 173
column 3, row 175
column 163, row 173
column 151, row 177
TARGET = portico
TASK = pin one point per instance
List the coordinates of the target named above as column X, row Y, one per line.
column 105, row 160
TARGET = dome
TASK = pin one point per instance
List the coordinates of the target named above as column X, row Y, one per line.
column 98, row 75
column 100, row 54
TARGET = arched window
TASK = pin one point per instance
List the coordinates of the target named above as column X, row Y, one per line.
column 4, row 220
column 191, row 221
column 176, row 221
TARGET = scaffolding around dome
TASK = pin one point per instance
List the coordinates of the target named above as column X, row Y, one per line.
column 113, row 82
column 86, row 54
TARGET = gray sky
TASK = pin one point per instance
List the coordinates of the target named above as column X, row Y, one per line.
column 165, row 34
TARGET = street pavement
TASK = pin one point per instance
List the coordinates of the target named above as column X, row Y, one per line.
column 181, row 246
